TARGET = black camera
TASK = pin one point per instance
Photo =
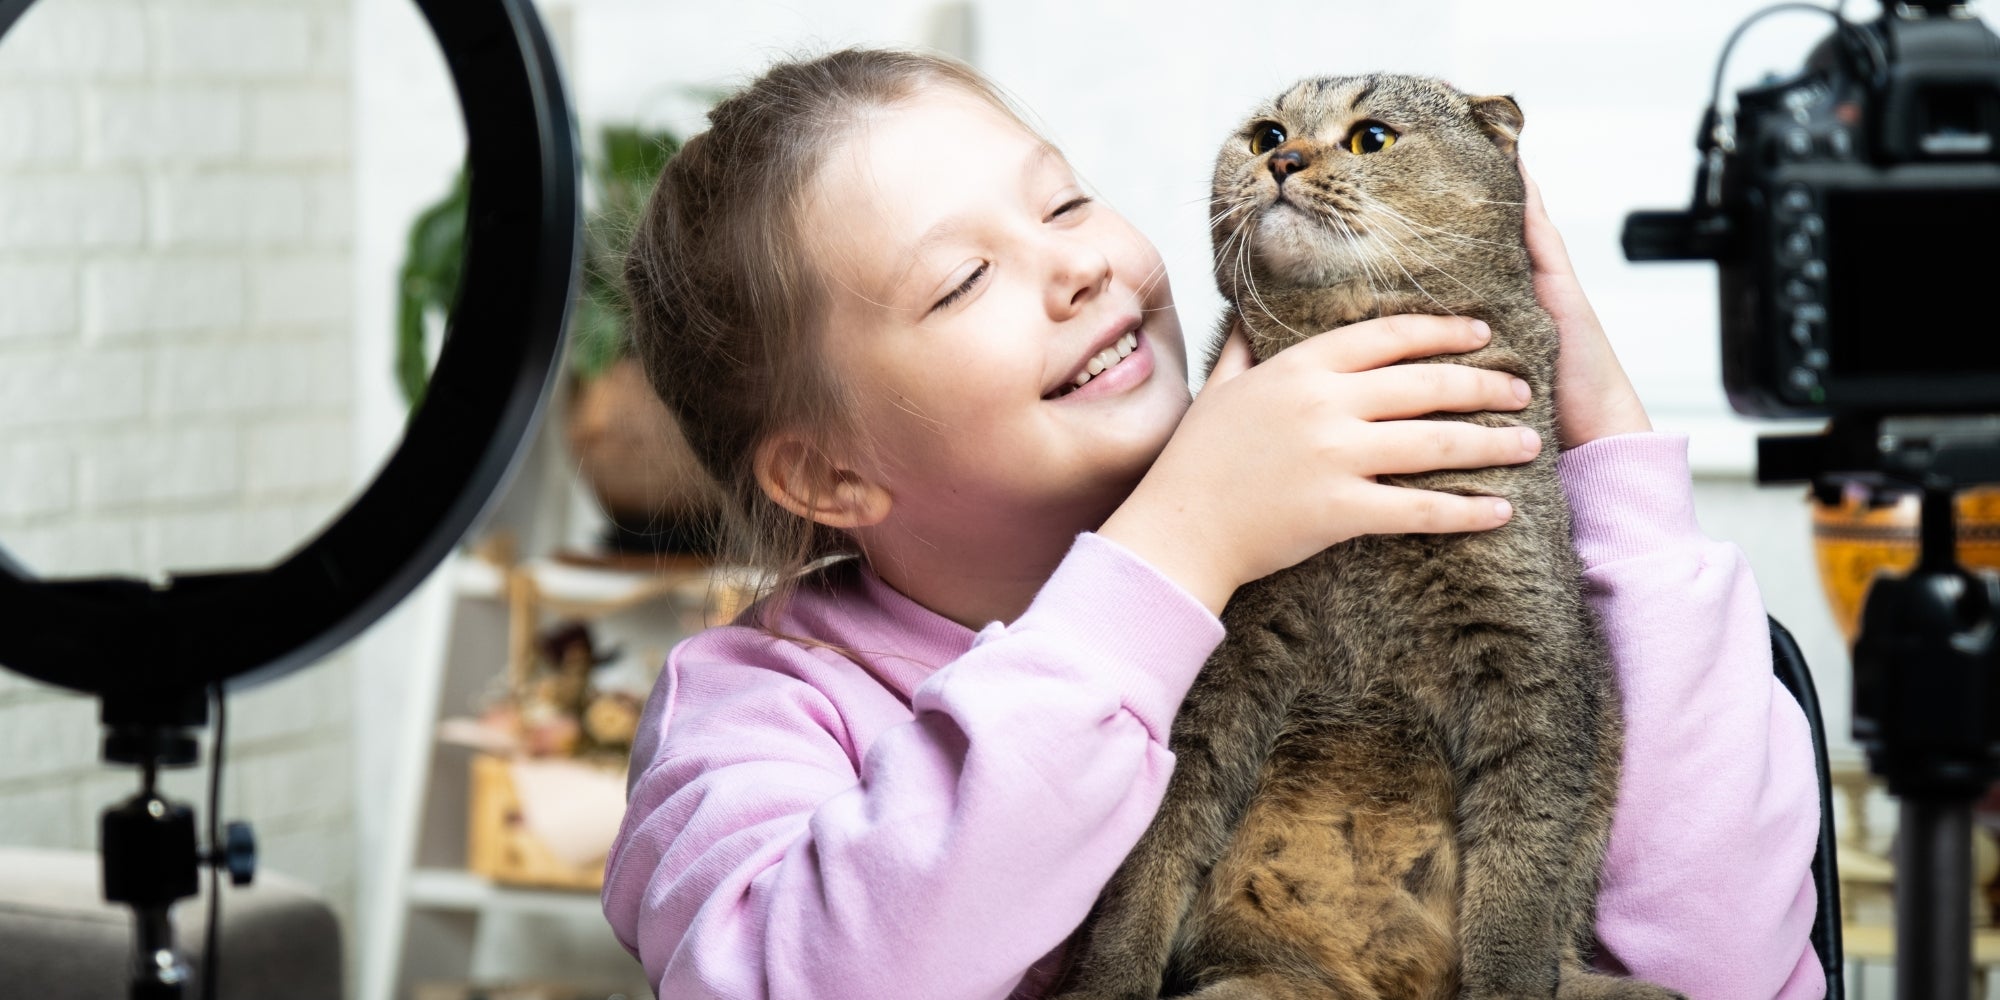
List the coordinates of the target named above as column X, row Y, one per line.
column 1853, row 209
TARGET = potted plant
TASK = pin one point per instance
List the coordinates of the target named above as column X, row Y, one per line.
column 627, row 447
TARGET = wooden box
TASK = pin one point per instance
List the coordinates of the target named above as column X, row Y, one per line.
column 500, row 845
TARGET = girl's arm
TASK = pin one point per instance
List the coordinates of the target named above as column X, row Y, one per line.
column 1707, row 885
column 765, row 854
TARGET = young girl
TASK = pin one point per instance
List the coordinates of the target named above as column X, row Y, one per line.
column 894, row 325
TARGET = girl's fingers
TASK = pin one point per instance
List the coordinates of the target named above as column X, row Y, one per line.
column 1234, row 359
column 1395, row 510
column 1406, row 446
column 1386, row 340
column 1405, row 391
column 1546, row 250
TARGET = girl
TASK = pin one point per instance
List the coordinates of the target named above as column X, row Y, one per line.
column 894, row 325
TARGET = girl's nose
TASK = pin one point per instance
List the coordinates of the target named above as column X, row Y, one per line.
column 1078, row 272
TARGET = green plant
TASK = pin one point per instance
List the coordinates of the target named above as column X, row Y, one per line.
column 622, row 175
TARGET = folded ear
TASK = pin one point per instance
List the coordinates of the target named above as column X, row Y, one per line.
column 1500, row 118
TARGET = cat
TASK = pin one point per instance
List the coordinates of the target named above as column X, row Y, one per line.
column 1395, row 777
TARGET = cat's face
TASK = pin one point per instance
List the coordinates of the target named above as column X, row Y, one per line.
column 1391, row 179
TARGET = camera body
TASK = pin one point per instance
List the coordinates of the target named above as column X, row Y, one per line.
column 1853, row 212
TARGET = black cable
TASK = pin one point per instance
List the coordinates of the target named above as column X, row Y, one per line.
column 1878, row 58
column 211, row 959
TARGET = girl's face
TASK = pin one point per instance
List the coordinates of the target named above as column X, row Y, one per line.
column 974, row 282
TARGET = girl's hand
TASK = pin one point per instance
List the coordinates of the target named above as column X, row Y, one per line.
column 1274, row 463
column 1594, row 399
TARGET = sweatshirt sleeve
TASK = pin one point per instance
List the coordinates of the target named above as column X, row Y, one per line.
column 1707, row 883
column 761, row 856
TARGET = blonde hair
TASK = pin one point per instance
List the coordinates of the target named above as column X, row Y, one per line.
column 725, row 295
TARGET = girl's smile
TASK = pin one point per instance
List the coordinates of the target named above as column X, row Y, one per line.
column 1105, row 371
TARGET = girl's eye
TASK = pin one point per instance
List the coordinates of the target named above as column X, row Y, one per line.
column 1371, row 137
column 1071, row 205
column 1266, row 136
column 960, row 292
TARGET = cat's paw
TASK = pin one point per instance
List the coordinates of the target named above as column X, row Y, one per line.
column 1596, row 986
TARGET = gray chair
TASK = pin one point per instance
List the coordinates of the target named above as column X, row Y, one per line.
column 1790, row 666
column 59, row 939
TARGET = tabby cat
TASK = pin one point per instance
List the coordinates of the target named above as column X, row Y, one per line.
column 1395, row 777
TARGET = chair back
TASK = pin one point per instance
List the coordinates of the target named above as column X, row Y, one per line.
column 1790, row 666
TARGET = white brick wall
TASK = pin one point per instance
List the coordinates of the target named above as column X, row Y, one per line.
column 41, row 298
column 71, row 211
column 175, row 341
column 156, row 293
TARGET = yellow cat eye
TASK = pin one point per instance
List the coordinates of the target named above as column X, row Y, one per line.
column 1371, row 137
column 1266, row 136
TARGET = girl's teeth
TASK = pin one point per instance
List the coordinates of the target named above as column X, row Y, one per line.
column 1108, row 357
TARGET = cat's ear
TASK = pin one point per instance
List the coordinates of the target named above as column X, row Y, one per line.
column 1500, row 118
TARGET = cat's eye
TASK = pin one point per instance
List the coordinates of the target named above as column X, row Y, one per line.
column 1266, row 136
column 1371, row 137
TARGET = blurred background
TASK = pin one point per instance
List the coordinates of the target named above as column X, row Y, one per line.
column 212, row 213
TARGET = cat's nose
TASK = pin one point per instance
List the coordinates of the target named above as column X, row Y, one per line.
column 1286, row 162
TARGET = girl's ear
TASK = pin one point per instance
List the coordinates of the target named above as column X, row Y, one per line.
column 803, row 479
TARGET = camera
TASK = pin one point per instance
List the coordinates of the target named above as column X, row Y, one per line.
column 1852, row 209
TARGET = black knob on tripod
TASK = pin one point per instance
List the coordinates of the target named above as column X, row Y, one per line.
column 237, row 853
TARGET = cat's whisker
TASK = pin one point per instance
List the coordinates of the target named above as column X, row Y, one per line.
column 1426, row 261
column 1354, row 241
column 1394, row 259
column 1250, row 281
column 1385, row 213
column 1446, row 233
column 1418, row 285
column 1217, row 218
column 1145, row 285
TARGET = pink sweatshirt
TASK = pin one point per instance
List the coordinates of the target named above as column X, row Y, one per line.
column 936, row 823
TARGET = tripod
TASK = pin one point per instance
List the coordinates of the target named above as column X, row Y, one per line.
column 151, row 860
column 1926, row 688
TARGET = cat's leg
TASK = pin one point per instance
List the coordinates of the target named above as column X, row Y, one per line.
column 1581, row 984
column 1578, row 920
column 1586, row 865
column 1274, row 985
column 1529, row 773
column 1220, row 740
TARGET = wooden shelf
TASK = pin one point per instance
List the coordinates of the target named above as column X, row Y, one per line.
column 440, row 922
column 1875, row 942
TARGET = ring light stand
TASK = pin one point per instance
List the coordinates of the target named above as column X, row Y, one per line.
column 152, row 651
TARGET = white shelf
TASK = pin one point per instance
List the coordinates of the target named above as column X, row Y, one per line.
column 453, row 889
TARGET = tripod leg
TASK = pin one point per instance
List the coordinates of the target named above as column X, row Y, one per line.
column 1933, row 912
